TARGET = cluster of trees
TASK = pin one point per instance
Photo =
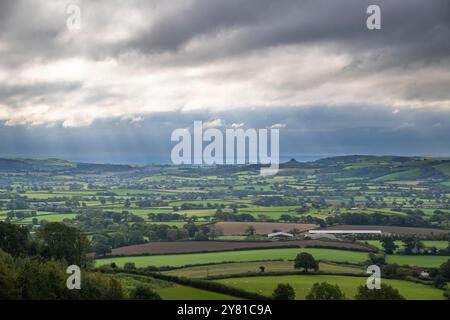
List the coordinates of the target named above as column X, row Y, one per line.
column 326, row 291
column 36, row 268
column 411, row 245
column 199, row 206
column 150, row 203
column 228, row 216
column 277, row 201
column 166, row 216
column 378, row 219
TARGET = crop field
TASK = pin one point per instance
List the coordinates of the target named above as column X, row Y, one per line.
column 203, row 246
column 302, row 284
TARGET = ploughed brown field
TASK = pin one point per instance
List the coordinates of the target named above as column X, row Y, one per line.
column 391, row 229
column 229, row 228
column 204, row 246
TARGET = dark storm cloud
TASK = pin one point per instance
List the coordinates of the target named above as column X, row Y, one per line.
column 411, row 30
column 233, row 56
column 416, row 30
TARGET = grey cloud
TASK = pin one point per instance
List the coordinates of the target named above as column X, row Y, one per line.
column 415, row 33
column 8, row 92
column 417, row 30
column 309, row 131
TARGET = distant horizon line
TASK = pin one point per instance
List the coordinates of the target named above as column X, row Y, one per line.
column 283, row 159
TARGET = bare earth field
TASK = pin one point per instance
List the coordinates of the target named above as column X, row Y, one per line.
column 391, row 229
column 204, row 246
column 238, row 228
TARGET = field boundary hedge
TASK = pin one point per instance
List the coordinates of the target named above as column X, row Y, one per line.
column 285, row 273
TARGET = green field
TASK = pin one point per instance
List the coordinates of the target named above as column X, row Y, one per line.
column 303, row 284
column 244, row 267
column 421, row 261
column 178, row 260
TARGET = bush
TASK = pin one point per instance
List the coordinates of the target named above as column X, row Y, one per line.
column 129, row 266
column 386, row 292
column 144, row 293
column 283, row 292
column 325, row 291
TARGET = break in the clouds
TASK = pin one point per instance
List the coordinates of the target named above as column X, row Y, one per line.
column 134, row 59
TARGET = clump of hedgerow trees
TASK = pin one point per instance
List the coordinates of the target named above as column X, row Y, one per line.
column 34, row 267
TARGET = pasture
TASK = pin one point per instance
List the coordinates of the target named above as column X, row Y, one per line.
column 229, row 269
column 178, row 260
column 303, row 283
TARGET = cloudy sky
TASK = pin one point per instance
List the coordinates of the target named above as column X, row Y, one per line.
column 136, row 70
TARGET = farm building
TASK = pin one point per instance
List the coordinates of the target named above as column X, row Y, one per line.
column 317, row 236
column 280, row 235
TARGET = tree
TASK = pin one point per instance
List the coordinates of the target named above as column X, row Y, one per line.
column 64, row 242
column 389, row 245
column 325, row 291
column 13, row 239
column 410, row 244
column 444, row 270
column 191, row 228
column 386, row 292
column 250, row 231
column 378, row 259
column 262, row 268
column 283, row 292
column 440, row 282
column 44, row 280
column 144, row 293
column 98, row 287
column 129, row 266
column 305, row 261
column 214, row 231
column 101, row 248
column 9, row 286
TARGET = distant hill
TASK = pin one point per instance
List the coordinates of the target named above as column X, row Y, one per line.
column 381, row 168
column 57, row 165
column 341, row 168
